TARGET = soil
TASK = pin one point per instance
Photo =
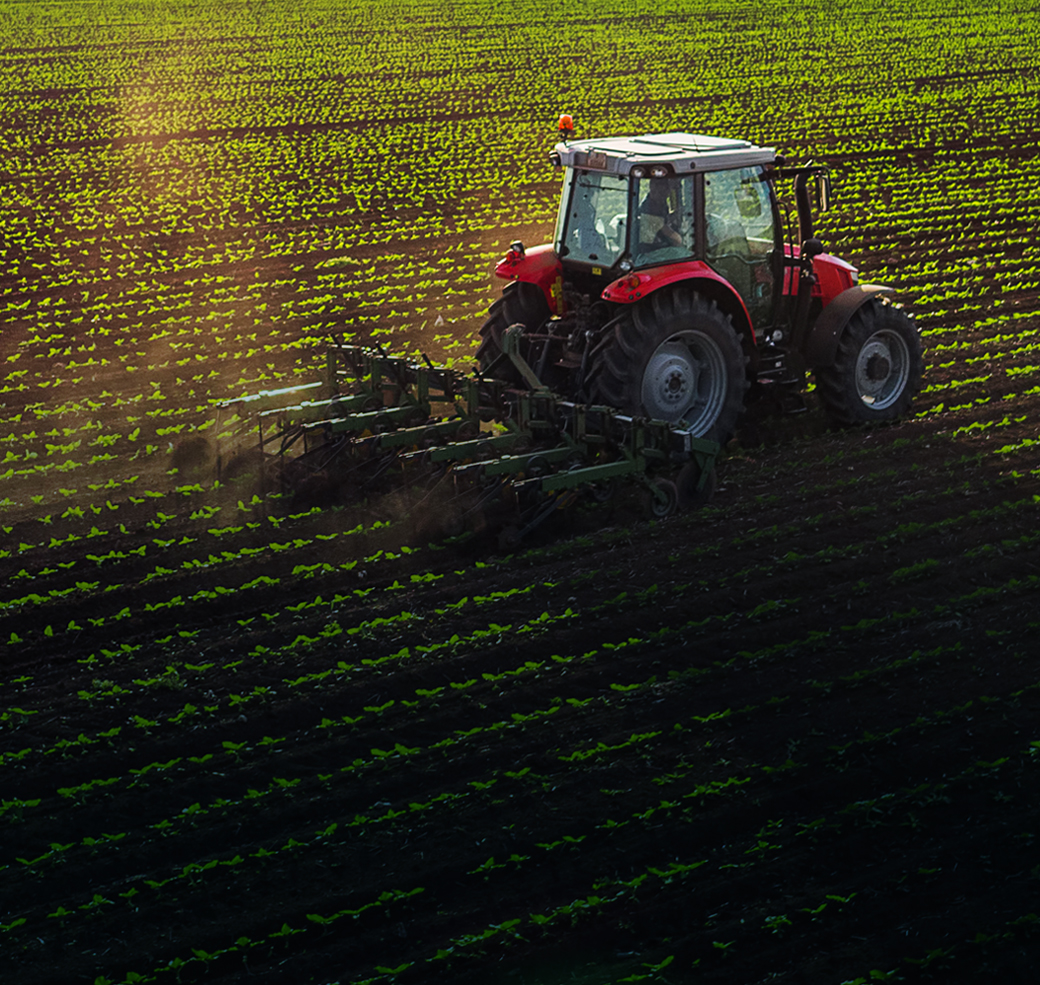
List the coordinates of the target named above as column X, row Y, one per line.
column 789, row 737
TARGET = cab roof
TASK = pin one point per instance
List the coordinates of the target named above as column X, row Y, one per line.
column 684, row 152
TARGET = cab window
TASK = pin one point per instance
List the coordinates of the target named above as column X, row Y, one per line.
column 663, row 223
column 593, row 229
column 738, row 213
column 739, row 229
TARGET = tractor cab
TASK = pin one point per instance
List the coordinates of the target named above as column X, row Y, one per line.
column 634, row 203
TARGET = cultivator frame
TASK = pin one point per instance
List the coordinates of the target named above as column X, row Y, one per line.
column 468, row 450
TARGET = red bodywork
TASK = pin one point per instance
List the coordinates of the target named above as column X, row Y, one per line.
column 640, row 283
column 833, row 275
column 541, row 266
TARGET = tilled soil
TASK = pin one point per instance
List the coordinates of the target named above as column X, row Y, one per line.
column 790, row 737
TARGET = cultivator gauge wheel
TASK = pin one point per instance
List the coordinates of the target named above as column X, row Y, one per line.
column 660, row 499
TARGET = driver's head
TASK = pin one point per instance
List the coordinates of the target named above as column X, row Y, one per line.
column 658, row 191
column 659, row 194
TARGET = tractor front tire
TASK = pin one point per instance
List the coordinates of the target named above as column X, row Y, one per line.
column 877, row 369
column 673, row 357
column 520, row 303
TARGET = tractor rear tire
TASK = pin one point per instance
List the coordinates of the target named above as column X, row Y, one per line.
column 673, row 357
column 877, row 369
column 520, row 303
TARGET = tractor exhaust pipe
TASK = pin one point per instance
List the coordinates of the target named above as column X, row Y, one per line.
column 810, row 245
column 801, row 197
column 806, row 282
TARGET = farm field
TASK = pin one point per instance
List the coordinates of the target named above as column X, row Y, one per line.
column 791, row 737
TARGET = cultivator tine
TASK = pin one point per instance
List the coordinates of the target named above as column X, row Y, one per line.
column 541, row 512
column 273, row 399
column 384, row 463
column 384, row 412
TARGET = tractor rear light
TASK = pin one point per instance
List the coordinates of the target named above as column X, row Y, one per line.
column 516, row 250
column 632, row 282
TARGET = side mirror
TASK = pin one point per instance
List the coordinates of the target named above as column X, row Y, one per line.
column 823, row 191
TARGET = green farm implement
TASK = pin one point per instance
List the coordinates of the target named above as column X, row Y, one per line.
column 455, row 452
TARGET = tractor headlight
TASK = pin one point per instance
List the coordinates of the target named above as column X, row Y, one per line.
column 659, row 171
column 638, row 172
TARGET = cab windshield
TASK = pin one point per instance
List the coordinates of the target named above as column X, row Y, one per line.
column 593, row 228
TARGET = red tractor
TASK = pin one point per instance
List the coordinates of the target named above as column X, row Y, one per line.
column 674, row 291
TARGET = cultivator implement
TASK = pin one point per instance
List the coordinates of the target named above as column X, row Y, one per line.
column 452, row 451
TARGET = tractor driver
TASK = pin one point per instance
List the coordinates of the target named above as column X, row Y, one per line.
column 657, row 218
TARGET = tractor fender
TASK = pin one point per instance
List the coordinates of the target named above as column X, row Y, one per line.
column 822, row 343
column 539, row 266
column 641, row 283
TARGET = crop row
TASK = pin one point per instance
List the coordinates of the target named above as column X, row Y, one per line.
column 762, row 850
column 433, row 697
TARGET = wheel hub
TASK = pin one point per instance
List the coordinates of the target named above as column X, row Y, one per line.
column 671, row 378
column 685, row 379
column 882, row 369
column 878, row 368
